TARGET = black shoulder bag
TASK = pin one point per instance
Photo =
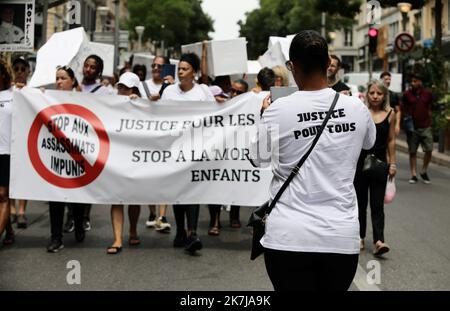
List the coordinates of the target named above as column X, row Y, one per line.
column 258, row 217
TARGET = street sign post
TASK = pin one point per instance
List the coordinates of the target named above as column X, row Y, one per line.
column 404, row 42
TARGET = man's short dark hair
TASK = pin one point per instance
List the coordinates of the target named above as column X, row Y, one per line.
column 384, row 74
column 266, row 78
column 243, row 82
column 138, row 67
column 309, row 51
column 192, row 59
column 339, row 63
column 21, row 60
column 417, row 76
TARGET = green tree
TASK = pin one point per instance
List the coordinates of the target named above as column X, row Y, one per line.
column 283, row 17
column 184, row 21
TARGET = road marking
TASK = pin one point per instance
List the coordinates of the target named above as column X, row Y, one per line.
column 360, row 281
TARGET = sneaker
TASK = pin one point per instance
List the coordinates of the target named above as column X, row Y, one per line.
column 180, row 239
column 413, row 180
column 80, row 235
column 193, row 244
column 10, row 237
column 69, row 226
column 162, row 225
column 151, row 222
column 425, row 178
column 55, row 246
column 87, row 225
column 13, row 218
column 22, row 222
column 380, row 248
column 235, row 223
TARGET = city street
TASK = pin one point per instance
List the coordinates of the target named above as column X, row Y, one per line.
column 417, row 229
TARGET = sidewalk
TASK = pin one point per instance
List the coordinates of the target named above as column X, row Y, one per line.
column 437, row 157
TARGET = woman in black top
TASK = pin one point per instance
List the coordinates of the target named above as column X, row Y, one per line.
column 384, row 150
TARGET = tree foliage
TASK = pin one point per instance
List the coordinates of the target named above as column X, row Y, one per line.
column 284, row 17
column 184, row 21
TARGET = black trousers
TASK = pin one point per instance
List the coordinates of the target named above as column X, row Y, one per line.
column 234, row 212
column 86, row 212
column 214, row 212
column 56, row 210
column 299, row 271
column 191, row 211
column 377, row 190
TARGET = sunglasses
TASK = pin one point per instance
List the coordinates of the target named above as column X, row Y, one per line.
column 157, row 66
column 63, row 68
column 238, row 92
column 19, row 68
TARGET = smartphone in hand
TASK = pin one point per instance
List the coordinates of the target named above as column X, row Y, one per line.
column 168, row 70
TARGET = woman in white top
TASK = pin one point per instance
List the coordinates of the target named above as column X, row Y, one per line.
column 6, row 97
column 128, row 85
column 311, row 239
column 187, row 90
column 65, row 81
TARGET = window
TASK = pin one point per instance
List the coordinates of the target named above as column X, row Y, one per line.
column 418, row 26
column 348, row 37
column 393, row 31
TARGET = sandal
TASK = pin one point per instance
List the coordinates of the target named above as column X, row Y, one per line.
column 215, row 231
column 9, row 239
column 134, row 241
column 113, row 250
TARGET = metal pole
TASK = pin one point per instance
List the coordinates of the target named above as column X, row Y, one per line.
column 116, row 34
column 44, row 22
column 370, row 65
column 324, row 16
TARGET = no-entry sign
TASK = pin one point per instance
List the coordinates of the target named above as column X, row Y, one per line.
column 85, row 172
column 404, row 42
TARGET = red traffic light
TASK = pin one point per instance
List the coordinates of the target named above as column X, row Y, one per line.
column 373, row 32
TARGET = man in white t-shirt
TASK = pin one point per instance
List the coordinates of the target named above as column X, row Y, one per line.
column 312, row 234
column 151, row 88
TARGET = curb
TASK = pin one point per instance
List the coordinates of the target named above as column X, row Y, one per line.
column 436, row 158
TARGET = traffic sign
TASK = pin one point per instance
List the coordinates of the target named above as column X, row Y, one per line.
column 404, row 42
column 44, row 119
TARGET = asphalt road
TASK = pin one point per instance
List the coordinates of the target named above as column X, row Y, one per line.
column 417, row 229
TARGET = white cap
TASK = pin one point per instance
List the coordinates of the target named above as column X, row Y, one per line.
column 129, row 79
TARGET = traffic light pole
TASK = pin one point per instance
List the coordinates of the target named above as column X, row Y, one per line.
column 370, row 65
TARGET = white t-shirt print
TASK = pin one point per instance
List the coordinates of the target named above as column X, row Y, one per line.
column 318, row 212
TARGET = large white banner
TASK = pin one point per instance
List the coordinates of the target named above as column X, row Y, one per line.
column 78, row 147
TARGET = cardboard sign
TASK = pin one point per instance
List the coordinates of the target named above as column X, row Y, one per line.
column 70, row 48
column 224, row 57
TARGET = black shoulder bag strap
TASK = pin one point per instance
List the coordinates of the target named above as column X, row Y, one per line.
column 296, row 169
column 147, row 91
column 96, row 89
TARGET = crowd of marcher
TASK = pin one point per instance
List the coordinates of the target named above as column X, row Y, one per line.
column 311, row 233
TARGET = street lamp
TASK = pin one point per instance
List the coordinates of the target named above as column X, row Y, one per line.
column 162, row 39
column 103, row 12
column 139, row 31
column 404, row 8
